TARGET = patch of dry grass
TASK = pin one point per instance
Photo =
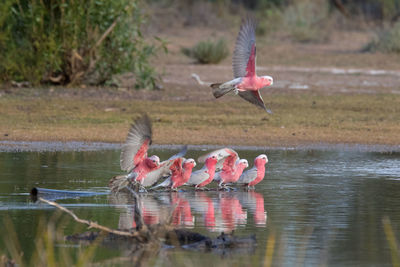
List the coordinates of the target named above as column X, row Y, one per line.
column 298, row 119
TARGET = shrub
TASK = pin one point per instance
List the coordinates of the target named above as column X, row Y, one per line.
column 387, row 40
column 304, row 21
column 206, row 52
column 66, row 41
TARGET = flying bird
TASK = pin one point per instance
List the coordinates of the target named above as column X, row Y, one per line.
column 141, row 169
column 256, row 174
column 246, row 83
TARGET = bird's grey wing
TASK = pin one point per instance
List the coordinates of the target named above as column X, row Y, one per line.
column 154, row 176
column 166, row 183
column 248, row 176
column 180, row 154
column 198, row 177
column 137, row 142
column 245, row 42
column 219, row 153
column 255, row 98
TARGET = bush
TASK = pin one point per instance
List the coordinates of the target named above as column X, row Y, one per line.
column 387, row 41
column 304, row 21
column 72, row 42
column 206, row 52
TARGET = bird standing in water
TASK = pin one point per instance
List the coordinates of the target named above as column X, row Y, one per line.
column 232, row 167
column 256, row 174
column 205, row 175
column 246, row 83
column 180, row 174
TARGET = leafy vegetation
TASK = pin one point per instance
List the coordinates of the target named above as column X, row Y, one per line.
column 206, row 52
column 302, row 21
column 72, row 42
column 387, row 40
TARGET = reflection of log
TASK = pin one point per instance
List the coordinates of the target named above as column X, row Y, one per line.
column 176, row 238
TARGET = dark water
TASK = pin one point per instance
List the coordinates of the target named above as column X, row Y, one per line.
column 318, row 207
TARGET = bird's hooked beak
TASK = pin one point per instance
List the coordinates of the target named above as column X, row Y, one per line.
column 155, row 159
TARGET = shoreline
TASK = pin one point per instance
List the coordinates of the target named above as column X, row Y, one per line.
column 81, row 146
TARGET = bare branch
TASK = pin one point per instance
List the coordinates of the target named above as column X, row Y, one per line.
column 89, row 223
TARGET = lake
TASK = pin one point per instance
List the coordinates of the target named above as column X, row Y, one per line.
column 314, row 207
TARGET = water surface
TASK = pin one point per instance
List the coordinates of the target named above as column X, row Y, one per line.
column 322, row 207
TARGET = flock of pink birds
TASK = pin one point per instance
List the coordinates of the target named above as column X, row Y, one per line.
column 224, row 165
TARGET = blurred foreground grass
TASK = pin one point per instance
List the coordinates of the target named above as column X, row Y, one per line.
column 298, row 119
column 49, row 248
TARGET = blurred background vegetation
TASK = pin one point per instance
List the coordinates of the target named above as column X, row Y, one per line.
column 73, row 42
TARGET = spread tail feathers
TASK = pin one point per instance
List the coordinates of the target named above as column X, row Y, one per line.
column 220, row 89
column 118, row 182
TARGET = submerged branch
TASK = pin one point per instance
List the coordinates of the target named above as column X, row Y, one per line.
column 89, row 223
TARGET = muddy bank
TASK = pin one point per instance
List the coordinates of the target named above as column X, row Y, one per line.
column 42, row 146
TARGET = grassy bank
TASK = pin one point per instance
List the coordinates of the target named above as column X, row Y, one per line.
column 298, row 118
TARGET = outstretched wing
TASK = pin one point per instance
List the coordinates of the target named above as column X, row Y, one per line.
column 255, row 98
column 228, row 164
column 177, row 165
column 221, row 154
column 137, row 142
column 154, row 176
column 165, row 168
column 244, row 56
column 180, row 154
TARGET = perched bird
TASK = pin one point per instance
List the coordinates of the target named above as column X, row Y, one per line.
column 232, row 167
column 246, row 83
column 256, row 174
column 232, row 173
column 165, row 169
column 205, row 175
column 180, row 174
column 142, row 170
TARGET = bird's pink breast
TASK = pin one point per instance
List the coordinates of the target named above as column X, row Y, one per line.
column 260, row 173
column 252, row 83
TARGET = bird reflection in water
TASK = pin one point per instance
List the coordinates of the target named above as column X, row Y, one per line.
column 216, row 211
column 181, row 214
column 232, row 212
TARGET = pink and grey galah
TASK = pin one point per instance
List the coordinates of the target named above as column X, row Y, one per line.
column 246, row 83
column 232, row 167
column 256, row 174
column 205, row 175
column 144, row 170
column 180, row 174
